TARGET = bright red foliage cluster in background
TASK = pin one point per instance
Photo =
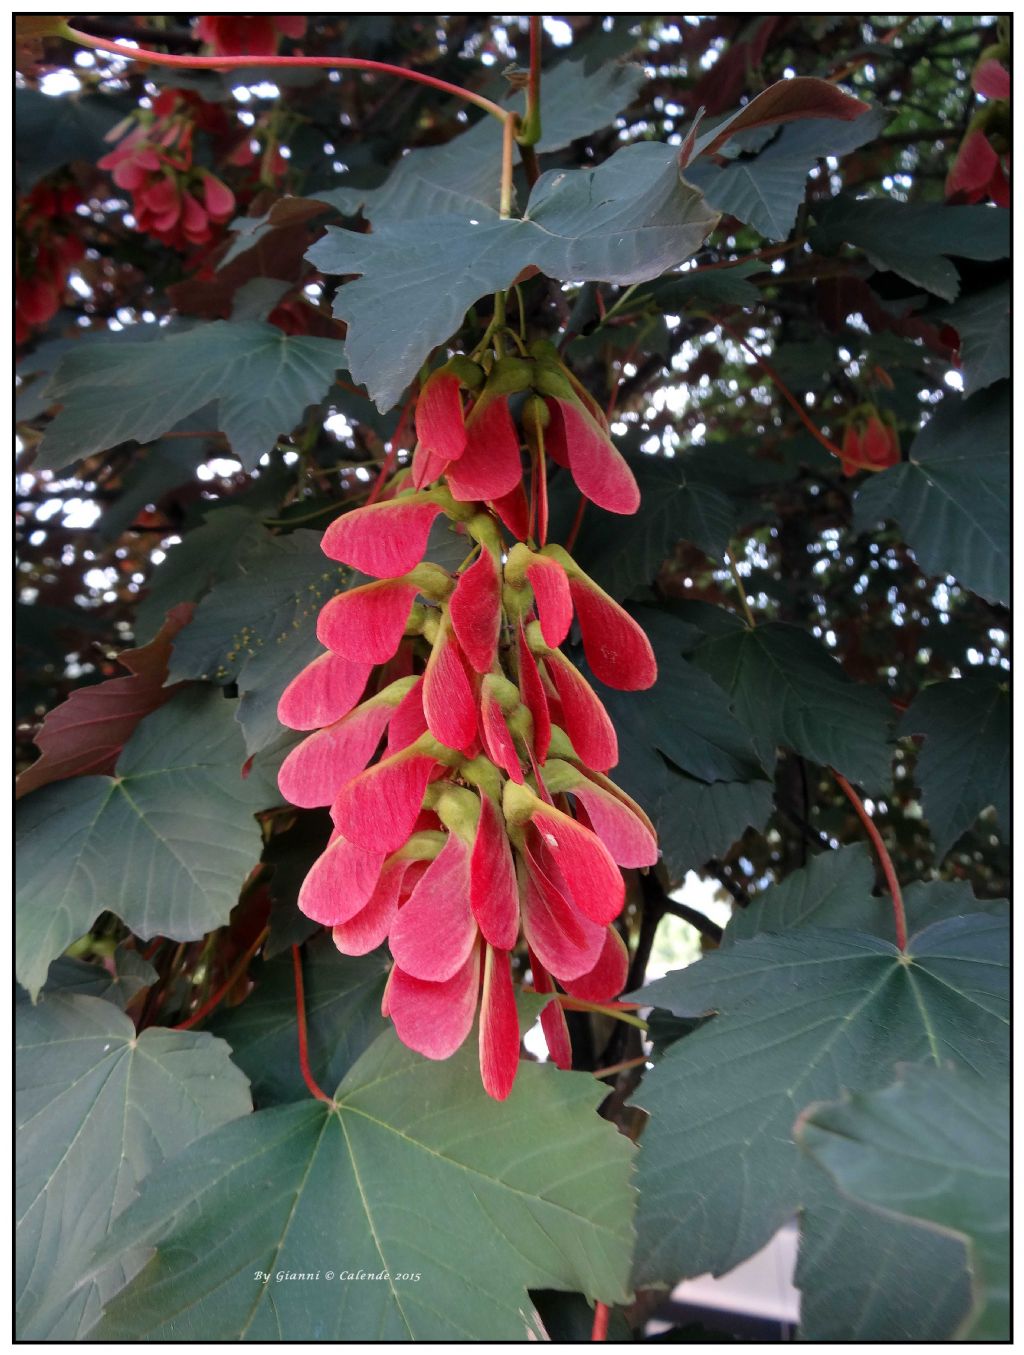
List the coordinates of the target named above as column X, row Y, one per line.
column 174, row 199
column 46, row 249
column 870, row 440
column 980, row 173
column 248, row 34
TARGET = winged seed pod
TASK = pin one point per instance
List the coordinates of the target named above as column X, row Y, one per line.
column 469, row 797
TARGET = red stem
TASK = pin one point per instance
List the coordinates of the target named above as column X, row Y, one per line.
column 300, row 1017
column 619, row 1067
column 225, row 988
column 533, row 89
column 613, row 399
column 567, row 1000
column 791, row 399
column 577, row 523
column 226, row 63
column 599, row 1331
column 885, row 860
column 388, row 464
column 769, row 252
column 856, row 64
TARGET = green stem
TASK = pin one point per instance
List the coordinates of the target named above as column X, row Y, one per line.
column 498, row 323
column 735, row 571
column 538, row 491
column 619, row 302
column 485, row 337
column 614, row 1010
column 508, row 141
column 305, row 517
column 522, row 311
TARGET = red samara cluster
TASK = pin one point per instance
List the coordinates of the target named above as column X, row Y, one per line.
column 463, row 755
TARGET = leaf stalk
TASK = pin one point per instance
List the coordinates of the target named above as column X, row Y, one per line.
column 300, row 1019
column 885, row 860
column 228, row 63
